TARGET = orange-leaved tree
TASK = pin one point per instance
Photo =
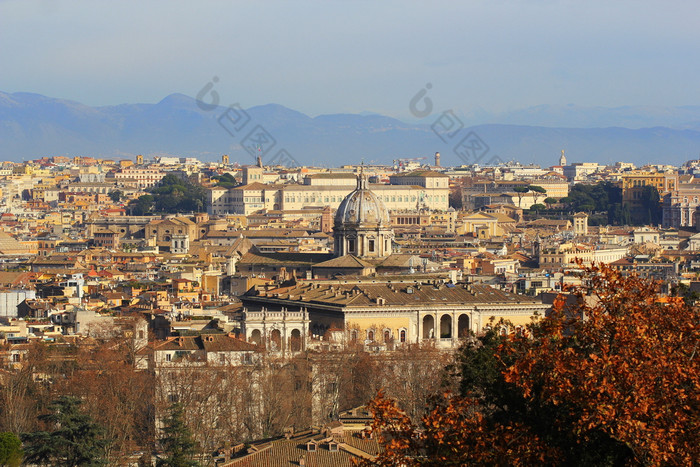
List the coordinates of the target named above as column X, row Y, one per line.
column 610, row 377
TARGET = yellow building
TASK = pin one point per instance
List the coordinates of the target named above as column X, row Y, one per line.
column 484, row 225
column 566, row 254
column 633, row 184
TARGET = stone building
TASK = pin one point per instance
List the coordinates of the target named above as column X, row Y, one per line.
column 391, row 311
column 424, row 189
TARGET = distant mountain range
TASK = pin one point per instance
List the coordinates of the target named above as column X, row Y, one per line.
column 33, row 126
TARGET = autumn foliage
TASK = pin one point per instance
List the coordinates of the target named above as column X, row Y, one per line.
column 610, row 377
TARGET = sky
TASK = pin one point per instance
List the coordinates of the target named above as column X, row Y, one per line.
column 321, row 57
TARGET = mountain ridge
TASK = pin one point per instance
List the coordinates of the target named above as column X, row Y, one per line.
column 33, row 126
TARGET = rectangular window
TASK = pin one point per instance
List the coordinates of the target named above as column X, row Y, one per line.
column 371, row 246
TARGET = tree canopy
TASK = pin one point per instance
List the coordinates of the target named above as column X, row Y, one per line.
column 10, row 449
column 177, row 441
column 73, row 437
column 226, row 180
column 606, row 197
column 621, row 386
column 171, row 195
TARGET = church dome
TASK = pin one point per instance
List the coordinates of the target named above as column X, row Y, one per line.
column 362, row 208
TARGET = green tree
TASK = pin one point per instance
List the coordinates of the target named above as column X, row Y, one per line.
column 177, row 441
column 537, row 192
column 537, row 207
column 226, row 181
column 172, row 195
column 550, row 201
column 520, row 191
column 650, row 210
column 74, row 438
column 142, row 206
column 116, row 195
column 10, row 449
column 599, row 197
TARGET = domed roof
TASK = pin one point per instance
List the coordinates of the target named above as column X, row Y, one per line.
column 362, row 207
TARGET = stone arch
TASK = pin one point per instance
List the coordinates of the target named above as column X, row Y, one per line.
column 463, row 325
column 428, row 327
column 256, row 337
column 295, row 341
column 445, row 326
column 275, row 340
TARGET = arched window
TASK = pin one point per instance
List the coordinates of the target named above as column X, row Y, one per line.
column 402, row 335
column 370, row 335
column 295, row 340
column 387, row 335
column 446, row 326
column 428, row 327
column 463, row 326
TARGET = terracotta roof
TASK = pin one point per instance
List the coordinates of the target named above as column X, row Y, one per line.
column 287, row 452
column 333, row 175
column 393, row 294
column 254, row 186
column 284, row 259
column 346, row 261
column 206, row 342
column 422, row 173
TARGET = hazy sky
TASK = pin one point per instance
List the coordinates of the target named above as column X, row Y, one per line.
column 352, row 56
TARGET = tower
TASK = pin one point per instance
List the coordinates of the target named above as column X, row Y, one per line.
column 224, row 159
column 139, row 160
column 180, row 244
column 562, row 159
column 362, row 226
column 437, row 159
column 581, row 224
column 252, row 174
